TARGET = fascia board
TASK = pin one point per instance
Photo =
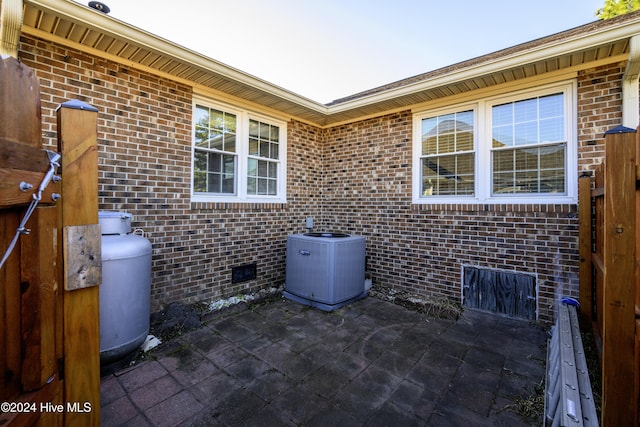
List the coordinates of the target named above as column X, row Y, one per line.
column 536, row 54
column 91, row 18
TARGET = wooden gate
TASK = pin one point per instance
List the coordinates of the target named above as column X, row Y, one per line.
column 610, row 272
column 49, row 320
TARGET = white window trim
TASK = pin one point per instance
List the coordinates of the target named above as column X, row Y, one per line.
column 242, row 151
column 482, row 138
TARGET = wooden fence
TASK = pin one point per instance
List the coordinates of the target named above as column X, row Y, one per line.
column 49, row 273
column 609, row 206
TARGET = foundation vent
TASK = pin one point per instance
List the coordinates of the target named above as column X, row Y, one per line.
column 508, row 293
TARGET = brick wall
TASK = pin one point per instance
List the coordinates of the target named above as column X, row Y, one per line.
column 422, row 248
column 599, row 109
column 144, row 155
column 354, row 178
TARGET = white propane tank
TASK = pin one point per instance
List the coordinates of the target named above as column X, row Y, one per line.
column 125, row 291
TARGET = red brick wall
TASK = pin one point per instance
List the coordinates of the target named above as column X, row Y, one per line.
column 422, row 248
column 599, row 109
column 144, row 138
column 354, row 178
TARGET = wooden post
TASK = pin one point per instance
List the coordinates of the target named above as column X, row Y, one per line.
column 77, row 141
column 584, row 242
column 637, row 285
column 618, row 317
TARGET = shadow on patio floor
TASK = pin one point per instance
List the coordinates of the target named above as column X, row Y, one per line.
column 370, row 363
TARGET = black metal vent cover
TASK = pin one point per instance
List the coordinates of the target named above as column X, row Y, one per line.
column 243, row 273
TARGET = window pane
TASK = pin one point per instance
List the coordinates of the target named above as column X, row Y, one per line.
column 526, row 159
column 464, row 121
column 502, row 115
column 214, row 162
column 464, row 141
column 272, row 189
column 446, row 143
column 264, row 149
column 502, row 136
column 552, row 130
column 201, row 116
column 262, row 168
column 253, row 147
column 215, row 137
column 228, row 184
column 448, row 133
column 201, row 137
column 552, row 157
column 551, row 106
column 229, row 165
column 200, row 161
column 273, row 170
column 213, row 182
column 552, row 181
column 199, row 182
column 525, row 111
column 216, row 140
column 262, row 186
column 275, row 134
column 215, row 129
column 526, row 133
column 429, row 136
column 534, row 167
column 230, row 142
column 465, row 166
column 275, row 151
column 264, row 131
column 503, row 182
column 430, row 145
column 253, row 167
column 216, row 120
column 252, row 185
column 445, row 173
column 448, row 175
column 503, row 160
column 254, row 128
column 530, row 170
column 230, row 123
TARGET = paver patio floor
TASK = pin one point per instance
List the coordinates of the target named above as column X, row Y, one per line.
column 370, row 363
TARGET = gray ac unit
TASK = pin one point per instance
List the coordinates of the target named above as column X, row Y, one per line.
column 325, row 270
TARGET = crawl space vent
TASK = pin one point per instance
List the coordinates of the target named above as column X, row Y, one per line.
column 508, row 293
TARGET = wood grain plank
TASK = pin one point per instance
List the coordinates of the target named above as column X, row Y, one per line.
column 618, row 406
column 38, row 299
column 19, row 103
column 584, row 249
column 10, row 351
column 77, row 141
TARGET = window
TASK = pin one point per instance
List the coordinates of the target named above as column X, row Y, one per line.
column 237, row 155
column 529, row 146
column 215, row 157
column 519, row 148
column 448, row 155
column 263, row 158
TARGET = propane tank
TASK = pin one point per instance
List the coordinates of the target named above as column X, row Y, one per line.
column 125, row 291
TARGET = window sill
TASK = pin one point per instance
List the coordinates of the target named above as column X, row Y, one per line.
column 504, row 200
column 235, row 204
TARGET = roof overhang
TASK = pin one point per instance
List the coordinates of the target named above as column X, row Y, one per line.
column 78, row 26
